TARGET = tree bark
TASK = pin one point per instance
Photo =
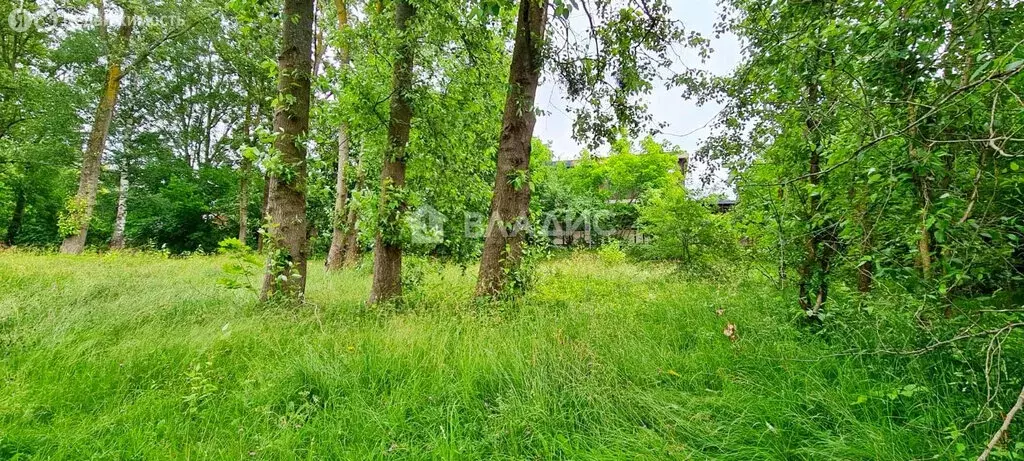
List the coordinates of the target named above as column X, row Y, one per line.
column 336, row 254
column 89, row 178
column 14, row 228
column 117, row 240
column 510, row 205
column 387, row 261
column 286, row 230
column 923, row 185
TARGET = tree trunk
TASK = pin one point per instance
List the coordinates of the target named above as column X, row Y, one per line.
column 923, row 185
column 89, row 178
column 286, row 229
column 244, row 170
column 243, row 200
column 18, row 217
column 387, row 261
column 117, row 240
column 510, row 205
column 866, row 268
column 351, row 223
column 336, row 254
column 822, row 241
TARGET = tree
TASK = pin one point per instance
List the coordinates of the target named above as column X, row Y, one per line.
column 39, row 130
column 387, row 257
column 286, row 210
column 80, row 208
column 340, row 233
column 684, row 229
column 606, row 73
column 117, row 240
column 508, row 221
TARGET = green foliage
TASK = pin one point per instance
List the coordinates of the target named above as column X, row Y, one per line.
column 906, row 118
column 606, row 190
column 685, row 230
column 73, row 218
column 611, row 253
column 245, row 268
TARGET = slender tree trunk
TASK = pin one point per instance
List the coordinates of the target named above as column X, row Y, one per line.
column 244, row 171
column 921, row 182
column 811, row 244
column 510, row 205
column 89, row 178
column 866, row 268
column 387, row 261
column 286, row 263
column 351, row 223
column 18, row 217
column 336, row 253
column 117, row 240
column 923, row 185
column 243, row 200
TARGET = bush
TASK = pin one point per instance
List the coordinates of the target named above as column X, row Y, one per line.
column 611, row 253
column 685, row 230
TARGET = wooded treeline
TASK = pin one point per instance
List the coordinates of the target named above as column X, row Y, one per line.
column 878, row 142
column 291, row 124
column 876, row 149
column 867, row 142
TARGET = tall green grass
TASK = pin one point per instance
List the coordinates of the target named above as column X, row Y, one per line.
column 142, row 357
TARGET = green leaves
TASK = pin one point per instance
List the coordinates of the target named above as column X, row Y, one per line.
column 563, row 8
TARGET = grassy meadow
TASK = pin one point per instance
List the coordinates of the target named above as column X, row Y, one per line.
column 144, row 357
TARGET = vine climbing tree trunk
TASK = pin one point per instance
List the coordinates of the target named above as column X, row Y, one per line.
column 336, row 254
column 117, row 239
column 387, row 257
column 822, row 238
column 81, row 206
column 286, row 204
column 510, row 206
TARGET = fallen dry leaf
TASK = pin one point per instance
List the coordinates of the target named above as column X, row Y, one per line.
column 730, row 332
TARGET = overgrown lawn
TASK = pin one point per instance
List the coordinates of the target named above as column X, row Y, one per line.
column 142, row 357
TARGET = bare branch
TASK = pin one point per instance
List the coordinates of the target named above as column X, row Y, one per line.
column 1002, row 429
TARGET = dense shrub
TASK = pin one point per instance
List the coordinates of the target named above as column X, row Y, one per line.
column 684, row 229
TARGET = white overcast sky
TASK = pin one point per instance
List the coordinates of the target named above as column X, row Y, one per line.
column 684, row 118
